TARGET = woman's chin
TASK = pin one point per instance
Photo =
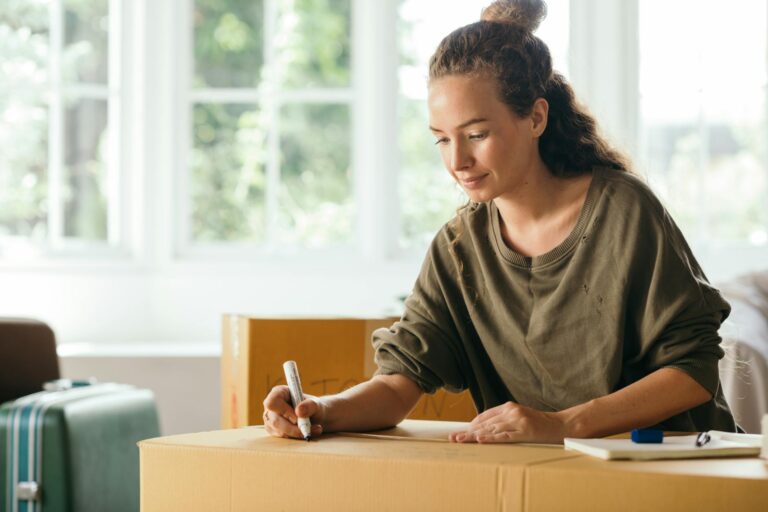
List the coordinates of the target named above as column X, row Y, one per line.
column 479, row 196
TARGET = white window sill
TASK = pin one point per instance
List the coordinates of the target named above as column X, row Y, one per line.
column 139, row 350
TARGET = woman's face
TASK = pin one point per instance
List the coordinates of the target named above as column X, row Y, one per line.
column 488, row 149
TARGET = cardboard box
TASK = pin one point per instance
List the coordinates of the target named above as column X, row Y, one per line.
column 595, row 485
column 412, row 467
column 246, row 469
column 332, row 354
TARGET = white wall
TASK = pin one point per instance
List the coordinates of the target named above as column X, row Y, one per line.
column 185, row 305
column 186, row 388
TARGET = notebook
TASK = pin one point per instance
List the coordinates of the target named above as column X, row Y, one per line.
column 722, row 444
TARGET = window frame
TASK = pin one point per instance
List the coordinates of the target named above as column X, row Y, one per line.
column 151, row 292
column 274, row 101
column 154, row 55
column 18, row 251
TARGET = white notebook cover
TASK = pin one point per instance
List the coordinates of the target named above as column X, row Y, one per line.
column 722, row 444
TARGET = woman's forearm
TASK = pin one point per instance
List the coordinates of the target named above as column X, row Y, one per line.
column 650, row 400
column 381, row 402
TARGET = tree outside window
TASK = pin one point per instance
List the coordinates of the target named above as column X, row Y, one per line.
column 54, row 102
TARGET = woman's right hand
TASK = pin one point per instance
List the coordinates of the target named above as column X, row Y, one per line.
column 280, row 418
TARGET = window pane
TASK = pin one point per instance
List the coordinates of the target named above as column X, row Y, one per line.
column 316, row 207
column 23, row 44
column 428, row 197
column 23, row 165
column 228, row 42
column 313, row 48
column 85, row 170
column 228, row 180
column 23, row 119
column 86, row 41
column 704, row 142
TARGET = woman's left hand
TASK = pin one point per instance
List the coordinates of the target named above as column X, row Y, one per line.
column 513, row 423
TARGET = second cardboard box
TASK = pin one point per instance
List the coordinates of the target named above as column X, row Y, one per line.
column 332, row 354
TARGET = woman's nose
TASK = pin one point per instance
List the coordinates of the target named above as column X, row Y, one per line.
column 460, row 157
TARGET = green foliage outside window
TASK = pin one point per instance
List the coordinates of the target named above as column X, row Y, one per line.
column 310, row 49
column 316, row 193
column 313, row 47
column 228, row 177
column 429, row 196
column 228, row 42
column 23, row 120
column 25, row 96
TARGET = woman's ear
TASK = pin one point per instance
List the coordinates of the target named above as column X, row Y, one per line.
column 539, row 114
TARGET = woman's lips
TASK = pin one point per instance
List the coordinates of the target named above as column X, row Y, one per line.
column 472, row 182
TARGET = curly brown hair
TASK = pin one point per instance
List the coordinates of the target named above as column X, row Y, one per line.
column 502, row 46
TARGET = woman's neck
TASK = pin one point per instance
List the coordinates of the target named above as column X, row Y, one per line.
column 537, row 195
column 542, row 211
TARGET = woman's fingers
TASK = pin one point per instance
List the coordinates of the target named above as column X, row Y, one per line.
column 278, row 402
column 277, row 425
column 506, row 436
column 280, row 418
column 481, row 422
column 466, row 436
column 308, row 408
column 509, row 422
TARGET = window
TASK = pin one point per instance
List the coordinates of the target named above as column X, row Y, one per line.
column 271, row 123
column 208, row 143
column 271, row 133
column 428, row 196
column 703, row 116
column 270, row 138
column 58, row 98
column 267, row 120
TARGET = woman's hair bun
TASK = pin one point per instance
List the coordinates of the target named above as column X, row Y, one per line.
column 526, row 14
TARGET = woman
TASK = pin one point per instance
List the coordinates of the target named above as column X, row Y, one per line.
column 562, row 296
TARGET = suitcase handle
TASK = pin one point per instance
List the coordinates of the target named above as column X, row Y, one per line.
column 27, row 491
column 64, row 384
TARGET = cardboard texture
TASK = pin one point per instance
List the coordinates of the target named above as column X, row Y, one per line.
column 594, row 485
column 332, row 354
column 246, row 469
column 413, row 467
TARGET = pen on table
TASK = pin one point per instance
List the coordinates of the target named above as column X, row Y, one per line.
column 297, row 395
column 702, row 439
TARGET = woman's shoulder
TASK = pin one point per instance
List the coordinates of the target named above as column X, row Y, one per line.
column 629, row 207
column 468, row 219
column 630, row 192
column 472, row 221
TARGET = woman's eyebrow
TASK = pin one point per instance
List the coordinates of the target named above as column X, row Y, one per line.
column 464, row 124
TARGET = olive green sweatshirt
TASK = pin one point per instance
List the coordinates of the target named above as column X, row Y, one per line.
column 621, row 297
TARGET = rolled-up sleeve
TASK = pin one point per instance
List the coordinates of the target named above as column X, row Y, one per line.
column 678, row 313
column 692, row 344
column 424, row 344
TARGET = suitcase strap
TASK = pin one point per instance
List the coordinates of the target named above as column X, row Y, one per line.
column 25, row 443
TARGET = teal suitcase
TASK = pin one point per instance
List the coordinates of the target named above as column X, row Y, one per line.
column 74, row 450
